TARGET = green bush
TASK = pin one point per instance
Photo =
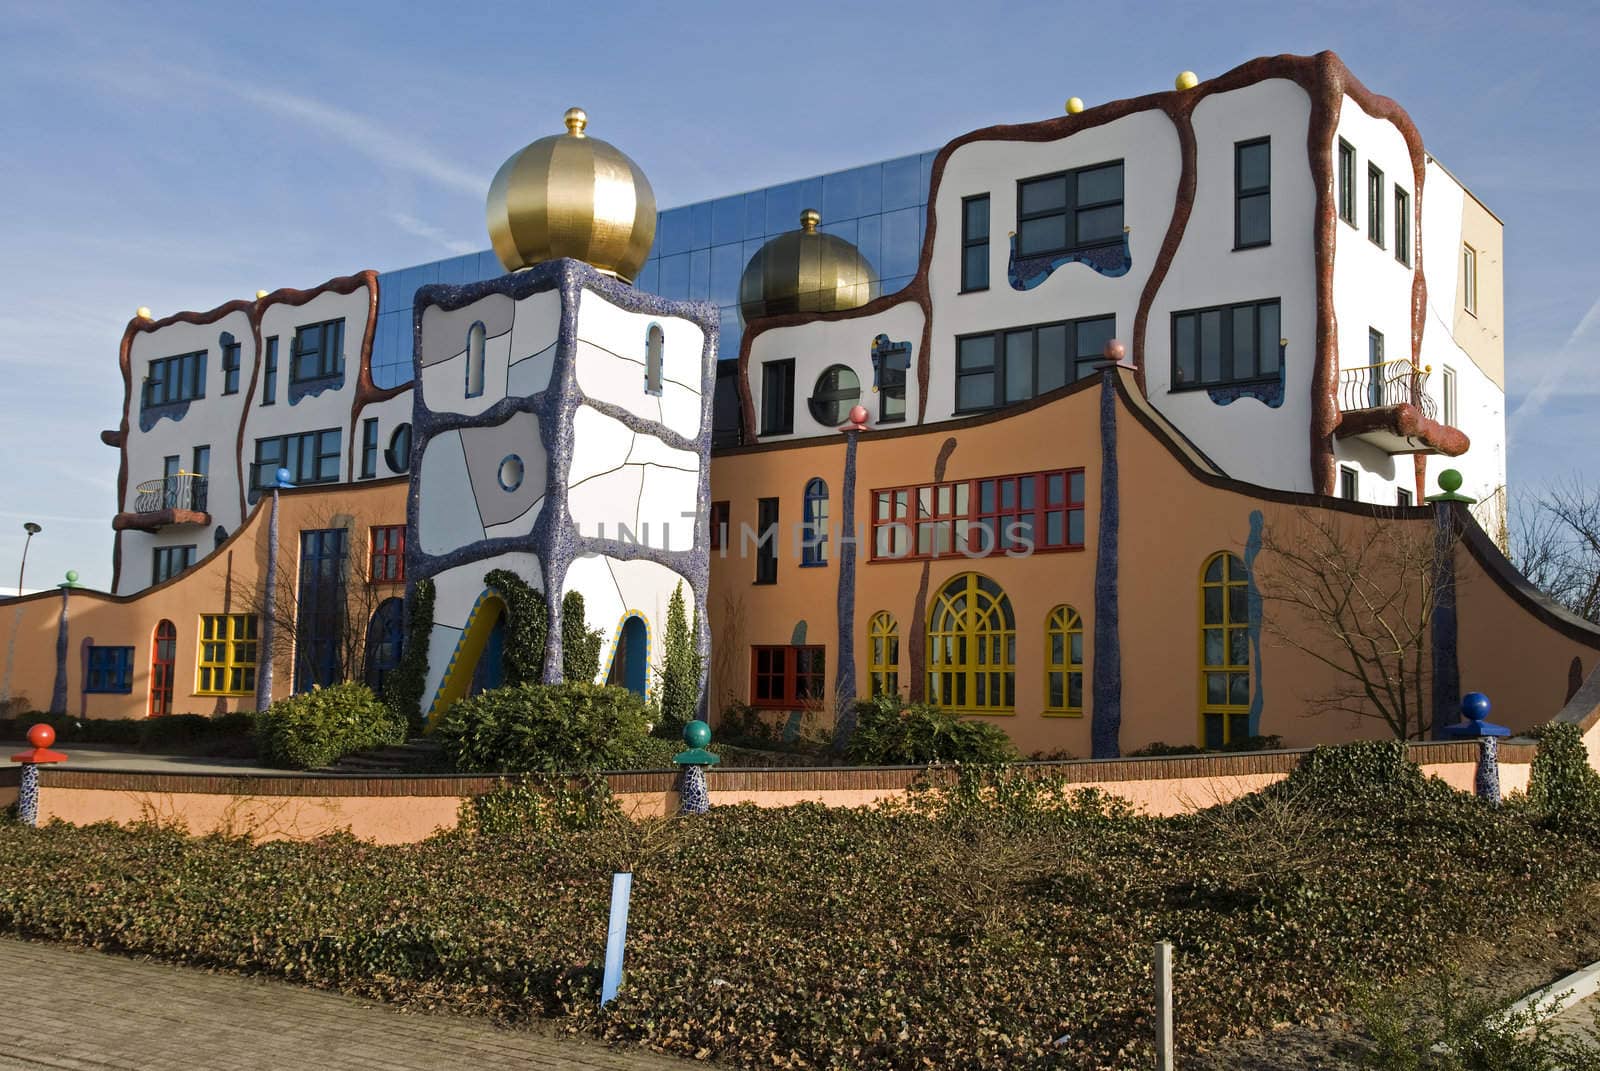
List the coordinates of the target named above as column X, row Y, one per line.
column 310, row 730
column 580, row 645
column 680, row 668
column 1244, row 743
column 403, row 689
column 1358, row 773
column 1562, row 785
column 544, row 728
column 890, row 732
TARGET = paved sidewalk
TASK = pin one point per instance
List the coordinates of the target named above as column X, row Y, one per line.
column 70, row 1009
column 102, row 757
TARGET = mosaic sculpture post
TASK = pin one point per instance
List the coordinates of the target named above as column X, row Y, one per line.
column 696, row 798
column 1475, row 709
column 41, row 737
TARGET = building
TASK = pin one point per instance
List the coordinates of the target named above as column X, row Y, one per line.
column 1300, row 306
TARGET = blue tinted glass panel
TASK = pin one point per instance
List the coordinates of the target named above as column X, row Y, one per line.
column 700, row 274
column 755, row 214
column 927, row 176
column 649, row 275
column 841, row 196
column 674, row 282
column 727, row 263
column 810, row 196
column 845, row 229
column 727, row 220
column 902, row 183
column 869, row 240
column 783, row 208
column 731, row 333
column 672, row 232
column 900, row 245
column 489, row 266
column 700, row 225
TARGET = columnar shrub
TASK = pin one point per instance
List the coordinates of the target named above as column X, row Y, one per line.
column 552, row 728
column 527, row 626
column 315, row 728
column 892, row 732
column 1562, row 784
column 680, row 667
column 580, row 646
column 403, row 689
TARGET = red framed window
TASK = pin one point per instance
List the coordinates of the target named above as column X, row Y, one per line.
column 1017, row 514
column 388, row 554
column 787, row 677
column 719, row 525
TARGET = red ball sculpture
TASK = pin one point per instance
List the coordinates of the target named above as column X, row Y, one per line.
column 1115, row 350
column 41, row 735
column 858, row 414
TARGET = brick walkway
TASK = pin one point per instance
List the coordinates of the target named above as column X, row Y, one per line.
column 75, row 1010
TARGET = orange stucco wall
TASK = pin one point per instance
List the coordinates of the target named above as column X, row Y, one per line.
column 215, row 584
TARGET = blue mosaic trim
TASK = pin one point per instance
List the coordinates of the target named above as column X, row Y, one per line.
column 1443, row 627
column 310, row 388
column 1105, row 723
column 150, row 415
column 1254, row 617
column 1112, row 261
column 269, row 585
column 28, row 795
column 58, row 694
column 844, row 687
column 555, row 541
column 1268, row 392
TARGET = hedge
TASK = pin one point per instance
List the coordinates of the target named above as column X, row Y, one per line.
column 890, row 732
column 317, row 727
column 545, row 727
column 224, row 734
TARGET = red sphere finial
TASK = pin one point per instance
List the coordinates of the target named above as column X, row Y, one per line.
column 1115, row 350
column 41, row 735
column 858, row 414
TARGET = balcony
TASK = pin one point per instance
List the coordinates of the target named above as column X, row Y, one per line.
column 1387, row 405
column 173, row 500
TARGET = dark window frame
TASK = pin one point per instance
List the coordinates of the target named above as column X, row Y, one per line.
column 822, row 397
column 1402, row 225
column 718, row 524
column 1241, row 192
column 814, row 524
column 328, row 358
column 320, row 452
column 399, row 461
column 777, row 405
column 1347, row 182
column 173, row 380
column 767, row 518
column 269, row 376
column 232, row 350
column 369, row 448
column 168, row 562
column 1375, row 204
column 108, row 670
column 974, row 241
column 1402, row 498
column 787, row 676
column 1226, row 356
column 897, row 534
column 1349, row 483
column 997, row 367
column 200, row 466
column 1070, row 209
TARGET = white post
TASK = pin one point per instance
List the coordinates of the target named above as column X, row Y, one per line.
column 616, row 936
column 1163, row 978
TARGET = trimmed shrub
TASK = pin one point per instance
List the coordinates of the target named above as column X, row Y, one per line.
column 527, row 626
column 1356, row 773
column 224, row 734
column 580, row 645
column 553, row 728
column 890, row 732
column 1562, row 785
column 403, row 689
column 306, row 731
column 680, row 668
column 1245, row 743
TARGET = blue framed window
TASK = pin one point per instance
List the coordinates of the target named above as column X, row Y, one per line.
column 318, row 351
column 230, row 363
column 319, row 625
column 814, row 546
column 369, row 448
column 269, row 376
column 176, row 379
column 110, row 670
column 385, row 642
column 310, row 457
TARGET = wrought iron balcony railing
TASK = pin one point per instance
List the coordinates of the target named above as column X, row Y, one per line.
column 1376, row 386
column 184, row 491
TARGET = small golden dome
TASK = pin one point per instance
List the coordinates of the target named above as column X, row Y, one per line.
column 805, row 271
column 1074, row 105
column 571, row 195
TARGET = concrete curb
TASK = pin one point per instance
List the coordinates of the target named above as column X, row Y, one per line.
column 1562, row 993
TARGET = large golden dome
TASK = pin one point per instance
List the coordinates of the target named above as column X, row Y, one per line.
column 570, row 195
column 805, row 271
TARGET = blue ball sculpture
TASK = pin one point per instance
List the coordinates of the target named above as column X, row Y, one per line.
column 1475, row 706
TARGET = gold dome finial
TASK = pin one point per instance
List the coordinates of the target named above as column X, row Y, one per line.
column 805, row 271
column 809, row 218
column 260, row 294
column 143, row 313
column 1074, row 105
column 572, row 195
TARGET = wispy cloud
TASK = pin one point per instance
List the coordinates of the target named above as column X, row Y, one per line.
column 412, row 225
column 1560, row 370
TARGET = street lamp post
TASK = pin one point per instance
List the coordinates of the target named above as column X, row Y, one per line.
column 32, row 530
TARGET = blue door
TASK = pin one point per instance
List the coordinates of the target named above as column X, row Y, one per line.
column 491, row 670
column 630, row 665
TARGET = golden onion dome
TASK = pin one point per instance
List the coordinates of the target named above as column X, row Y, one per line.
column 805, row 271
column 571, row 195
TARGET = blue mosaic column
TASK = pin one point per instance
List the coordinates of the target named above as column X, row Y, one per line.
column 844, row 681
column 58, row 694
column 692, row 790
column 1105, row 728
column 270, row 586
column 1475, row 709
column 1443, row 625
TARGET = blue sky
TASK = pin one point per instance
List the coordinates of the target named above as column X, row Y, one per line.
column 179, row 156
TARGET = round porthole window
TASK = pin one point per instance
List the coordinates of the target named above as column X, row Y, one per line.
column 511, row 472
column 838, row 390
column 399, row 453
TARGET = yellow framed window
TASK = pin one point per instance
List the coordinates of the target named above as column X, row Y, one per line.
column 1224, row 651
column 1063, row 672
column 883, row 632
column 228, row 655
column 972, row 648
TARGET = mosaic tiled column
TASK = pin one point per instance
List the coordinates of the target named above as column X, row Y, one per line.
column 41, row 737
column 1475, row 709
column 692, row 790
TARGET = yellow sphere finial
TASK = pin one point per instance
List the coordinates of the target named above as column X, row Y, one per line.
column 143, row 313
column 809, row 219
column 1186, row 80
column 260, row 294
column 576, row 119
column 1074, row 105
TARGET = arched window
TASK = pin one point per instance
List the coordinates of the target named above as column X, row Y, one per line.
column 476, row 336
column 163, row 653
column 385, row 640
column 884, row 665
column 814, row 540
column 972, row 648
column 1224, row 651
column 654, row 339
column 1063, row 671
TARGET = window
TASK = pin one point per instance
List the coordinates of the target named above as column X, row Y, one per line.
column 1469, row 279
column 1402, row 497
column 975, row 243
column 1375, row 376
column 201, row 470
column 310, row 457
column 385, row 642
column 1224, row 651
column 110, row 670
column 168, row 562
column 1227, row 344
column 777, row 397
column 972, row 648
column 227, row 655
column 837, row 392
column 654, row 340
column 814, row 539
column 269, row 376
column 388, row 554
column 1402, row 226
column 1349, row 483
column 317, row 352
column 320, row 613
column 163, row 653
column 369, row 448
column 176, row 379
column 1447, row 387
column 1375, row 204
column 1252, row 193
column 398, row 456
column 230, row 363
column 475, row 359
column 1063, row 672
column 719, row 525
column 891, row 360
column 1014, row 365
column 1021, row 514
column 1347, row 182
column 787, row 678
column 767, row 547
column 883, row 665
column 1069, row 211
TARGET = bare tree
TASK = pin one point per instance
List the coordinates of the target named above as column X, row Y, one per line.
column 1555, row 543
column 1358, row 595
